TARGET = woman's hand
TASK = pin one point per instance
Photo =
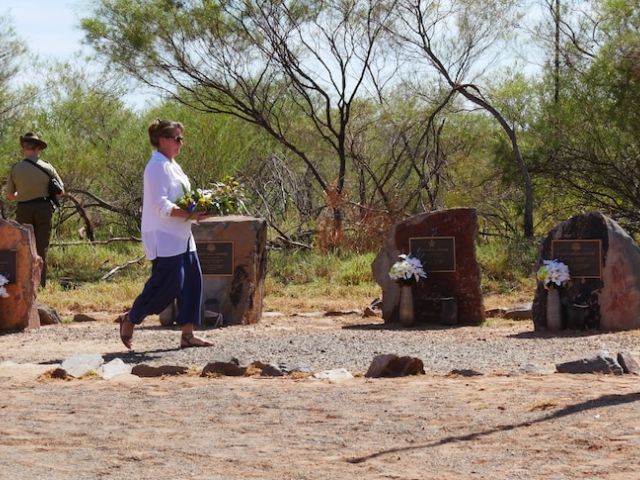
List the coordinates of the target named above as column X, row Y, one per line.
column 197, row 216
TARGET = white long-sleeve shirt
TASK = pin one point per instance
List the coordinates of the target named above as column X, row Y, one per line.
column 163, row 235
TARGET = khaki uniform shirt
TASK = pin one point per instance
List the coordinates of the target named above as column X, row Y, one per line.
column 28, row 181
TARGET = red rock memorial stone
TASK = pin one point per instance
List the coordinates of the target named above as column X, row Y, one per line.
column 232, row 252
column 445, row 241
column 604, row 264
column 19, row 262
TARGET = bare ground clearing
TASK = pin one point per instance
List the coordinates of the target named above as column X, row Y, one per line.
column 502, row 425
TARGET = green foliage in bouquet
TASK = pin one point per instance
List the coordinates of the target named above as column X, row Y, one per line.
column 223, row 198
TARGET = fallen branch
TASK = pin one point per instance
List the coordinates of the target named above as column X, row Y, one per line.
column 97, row 242
column 115, row 270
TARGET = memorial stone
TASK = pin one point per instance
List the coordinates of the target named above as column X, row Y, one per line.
column 445, row 242
column 604, row 264
column 232, row 252
column 21, row 265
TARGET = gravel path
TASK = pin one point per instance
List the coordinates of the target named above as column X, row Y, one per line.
column 320, row 343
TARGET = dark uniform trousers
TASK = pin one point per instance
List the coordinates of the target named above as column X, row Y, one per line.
column 39, row 214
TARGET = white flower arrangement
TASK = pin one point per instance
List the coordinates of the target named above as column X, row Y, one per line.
column 3, row 291
column 407, row 270
column 553, row 273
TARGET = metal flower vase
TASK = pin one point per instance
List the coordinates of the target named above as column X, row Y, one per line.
column 554, row 310
column 405, row 309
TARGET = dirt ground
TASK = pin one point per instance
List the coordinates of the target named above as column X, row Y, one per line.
column 435, row 426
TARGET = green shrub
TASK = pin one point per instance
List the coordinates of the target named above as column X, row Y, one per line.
column 506, row 265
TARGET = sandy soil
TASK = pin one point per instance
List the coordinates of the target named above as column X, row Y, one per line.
column 501, row 425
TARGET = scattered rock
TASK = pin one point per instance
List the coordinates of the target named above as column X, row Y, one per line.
column 80, row 365
column 465, row 372
column 600, row 362
column 266, row 369
column 48, row 315
column 272, row 314
column 144, row 370
column 628, row 363
column 390, row 365
column 521, row 311
column 335, row 375
column 114, row 368
column 229, row 369
column 81, row 317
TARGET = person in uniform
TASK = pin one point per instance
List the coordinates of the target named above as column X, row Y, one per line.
column 28, row 184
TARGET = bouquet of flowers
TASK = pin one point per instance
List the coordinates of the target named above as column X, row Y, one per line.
column 553, row 273
column 223, row 198
column 3, row 291
column 407, row 271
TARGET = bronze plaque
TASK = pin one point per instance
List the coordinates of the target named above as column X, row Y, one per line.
column 583, row 257
column 216, row 258
column 8, row 265
column 438, row 254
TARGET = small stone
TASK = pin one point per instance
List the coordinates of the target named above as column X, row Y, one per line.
column 521, row 311
column 267, row 370
column 378, row 365
column 628, row 363
column 114, row 368
column 48, row 315
column 80, row 365
column 81, row 317
column 229, row 369
column 391, row 365
column 600, row 362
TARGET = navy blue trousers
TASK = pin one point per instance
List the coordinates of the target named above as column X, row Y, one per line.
column 174, row 277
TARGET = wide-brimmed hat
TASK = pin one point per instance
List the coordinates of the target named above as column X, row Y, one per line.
column 34, row 139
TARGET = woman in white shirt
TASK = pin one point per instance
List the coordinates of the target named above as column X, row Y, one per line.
column 167, row 241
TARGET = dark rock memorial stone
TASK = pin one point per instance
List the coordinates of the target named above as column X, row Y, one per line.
column 604, row 264
column 445, row 242
column 232, row 253
column 21, row 265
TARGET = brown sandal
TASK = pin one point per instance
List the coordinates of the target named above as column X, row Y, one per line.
column 188, row 341
column 126, row 338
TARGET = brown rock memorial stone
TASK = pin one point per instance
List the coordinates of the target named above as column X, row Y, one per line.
column 232, row 252
column 604, row 264
column 445, row 242
column 21, row 265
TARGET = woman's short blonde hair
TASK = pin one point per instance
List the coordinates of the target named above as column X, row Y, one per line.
column 163, row 128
